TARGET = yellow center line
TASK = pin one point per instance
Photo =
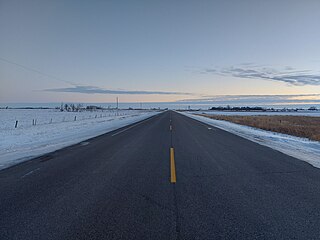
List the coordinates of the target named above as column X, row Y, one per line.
column 172, row 167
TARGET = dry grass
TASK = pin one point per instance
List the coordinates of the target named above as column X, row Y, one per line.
column 301, row 126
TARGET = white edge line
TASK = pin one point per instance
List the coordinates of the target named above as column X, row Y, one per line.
column 28, row 173
column 132, row 126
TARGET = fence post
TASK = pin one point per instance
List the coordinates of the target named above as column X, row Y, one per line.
column 16, row 125
column 75, row 118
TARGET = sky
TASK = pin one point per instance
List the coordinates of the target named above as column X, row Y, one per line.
column 159, row 51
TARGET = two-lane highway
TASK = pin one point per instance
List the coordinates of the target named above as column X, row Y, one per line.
column 120, row 186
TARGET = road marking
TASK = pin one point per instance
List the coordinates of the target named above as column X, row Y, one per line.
column 170, row 128
column 207, row 126
column 131, row 126
column 204, row 124
column 28, row 173
column 173, row 178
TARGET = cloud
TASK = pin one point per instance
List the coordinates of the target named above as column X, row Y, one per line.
column 98, row 90
column 288, row 75
column 255, row 99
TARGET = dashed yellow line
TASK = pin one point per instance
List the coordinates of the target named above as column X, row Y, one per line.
column 173, row 178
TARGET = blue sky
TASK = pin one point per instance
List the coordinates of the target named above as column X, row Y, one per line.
column 93, row 51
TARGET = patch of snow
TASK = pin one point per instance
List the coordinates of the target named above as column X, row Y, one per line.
column 301, row 148
column 28, row 141
column 234, row 113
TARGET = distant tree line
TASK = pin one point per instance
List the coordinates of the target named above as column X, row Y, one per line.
column 247, row 109
column 77, row 107
column 71, row 107
column 228, row 108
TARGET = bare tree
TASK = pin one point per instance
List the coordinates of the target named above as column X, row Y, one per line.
column 73, row 107
column 79, row 106
column 66, row 107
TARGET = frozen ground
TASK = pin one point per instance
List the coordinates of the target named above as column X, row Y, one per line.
column 25, row 117
column 300, row 148
column 299, row 113
column 55, row 130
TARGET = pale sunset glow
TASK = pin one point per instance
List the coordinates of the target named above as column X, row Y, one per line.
column 164, row 51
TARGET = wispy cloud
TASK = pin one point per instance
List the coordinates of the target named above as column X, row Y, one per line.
column 255, row 99
column 288, row 75
column 98, row 90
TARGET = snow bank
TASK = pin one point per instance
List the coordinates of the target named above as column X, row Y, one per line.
column 234, row 113
column 27, row 141
column 300, row 148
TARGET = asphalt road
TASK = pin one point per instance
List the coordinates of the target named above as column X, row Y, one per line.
column 118, row 186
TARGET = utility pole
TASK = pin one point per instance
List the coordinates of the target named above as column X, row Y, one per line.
column 117, row 106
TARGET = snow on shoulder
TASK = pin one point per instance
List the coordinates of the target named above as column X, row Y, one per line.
column 301, row 148
column 28, row 133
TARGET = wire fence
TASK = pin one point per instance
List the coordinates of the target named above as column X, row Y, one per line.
column 31, row 118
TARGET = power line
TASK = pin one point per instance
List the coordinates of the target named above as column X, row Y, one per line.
column 36, row 71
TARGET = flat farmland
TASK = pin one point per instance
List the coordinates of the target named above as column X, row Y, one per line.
column 300, row 126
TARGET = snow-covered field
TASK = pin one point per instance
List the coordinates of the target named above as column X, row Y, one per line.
column 55, row 130
column 25, row 117
column 300, row 148
column 233, row 113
